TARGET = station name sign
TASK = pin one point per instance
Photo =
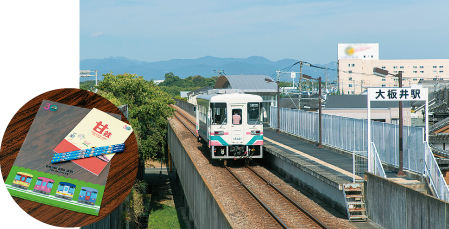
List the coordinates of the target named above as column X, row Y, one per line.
column 397, row 94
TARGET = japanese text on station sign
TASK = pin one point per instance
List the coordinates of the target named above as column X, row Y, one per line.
column 397, row 94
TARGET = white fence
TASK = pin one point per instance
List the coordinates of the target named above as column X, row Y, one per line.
column 351, row 135
column 432, row 171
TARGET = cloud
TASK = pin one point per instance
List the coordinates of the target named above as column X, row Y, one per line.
column 96, row 34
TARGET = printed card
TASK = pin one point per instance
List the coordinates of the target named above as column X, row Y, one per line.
column 96, row 129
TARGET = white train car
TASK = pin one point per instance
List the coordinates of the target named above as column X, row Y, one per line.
column 231, row 124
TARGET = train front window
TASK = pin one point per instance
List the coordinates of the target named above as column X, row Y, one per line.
column 60, row 187
column 39, row 182
column 254, row 113
column 218, row 112
column 94, row 195
column 72, row 190
column 237, row 116
column 44, row 184
column 83, row 192
column 66, row 188
column 17, row 177
column 28, row 180
column 50, row 184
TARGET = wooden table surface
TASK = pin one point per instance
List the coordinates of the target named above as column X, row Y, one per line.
column 122, row 172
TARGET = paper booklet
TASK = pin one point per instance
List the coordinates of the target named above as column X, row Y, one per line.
column 96, row 129
column 66, row 184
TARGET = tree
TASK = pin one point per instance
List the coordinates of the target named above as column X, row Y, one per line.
column 148, row 109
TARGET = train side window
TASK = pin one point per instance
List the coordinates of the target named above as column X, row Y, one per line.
column 254, row 113
column 218, row 113
column 39, row 182
column 236, row 116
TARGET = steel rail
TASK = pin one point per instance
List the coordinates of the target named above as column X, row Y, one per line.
column 308, row 214
column 258, row 200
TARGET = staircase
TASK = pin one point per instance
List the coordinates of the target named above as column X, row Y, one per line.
column 355, row 202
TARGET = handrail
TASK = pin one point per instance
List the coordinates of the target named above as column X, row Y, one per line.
column 436, row 178
column 377, row 162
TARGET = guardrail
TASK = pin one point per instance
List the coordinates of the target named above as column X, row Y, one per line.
column 436, row 178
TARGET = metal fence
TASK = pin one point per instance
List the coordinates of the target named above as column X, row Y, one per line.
column 350, row 134
column 437, row 181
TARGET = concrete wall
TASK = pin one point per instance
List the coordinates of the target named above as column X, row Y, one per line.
column 204, row 209
column 309, row 179
column 392, row 205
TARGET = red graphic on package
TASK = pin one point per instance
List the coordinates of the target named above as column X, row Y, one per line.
column 96, row 129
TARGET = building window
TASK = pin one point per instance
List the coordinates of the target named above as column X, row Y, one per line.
column 441, row 66
column 401, row 71
column 350, row 71
column 383, row 67
column 383, row 79
column 415, row 67
column 415, row 79
column 434, row 71
column 349, row 65
column 421, row 66
column 395, row 67
column 395, row 72
column 383, row 85
column 434, row 66
column 421, row 71
column 350, row 79
column 415, row 71
column 350, row 85
column 441, row 71
column 401, row 67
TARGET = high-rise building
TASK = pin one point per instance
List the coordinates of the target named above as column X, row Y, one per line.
column 356, row 63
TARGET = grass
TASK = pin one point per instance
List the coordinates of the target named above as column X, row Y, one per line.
column 164, row 216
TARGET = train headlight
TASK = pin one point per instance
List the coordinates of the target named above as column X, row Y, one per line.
column 218, row 132
column 255, row 132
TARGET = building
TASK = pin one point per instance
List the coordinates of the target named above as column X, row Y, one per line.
column 251, row 84
column 355, row 106
column 356, row 63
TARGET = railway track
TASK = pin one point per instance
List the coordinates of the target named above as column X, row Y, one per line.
column 282, row 208
column 272, row 206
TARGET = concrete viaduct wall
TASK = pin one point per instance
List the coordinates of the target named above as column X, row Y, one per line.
column 204, row 209
column 392, row 205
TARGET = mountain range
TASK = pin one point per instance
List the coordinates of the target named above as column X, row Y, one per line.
column 207, row 66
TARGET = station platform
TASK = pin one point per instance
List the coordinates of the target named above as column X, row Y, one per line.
column 329, row 166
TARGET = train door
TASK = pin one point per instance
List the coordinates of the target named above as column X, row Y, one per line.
column 87, row 196
column 236, row 124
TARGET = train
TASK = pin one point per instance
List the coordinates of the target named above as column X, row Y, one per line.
column 88, row 195
column 22, row 180
column 231, row 125
column 65, row 190
column 43, row 185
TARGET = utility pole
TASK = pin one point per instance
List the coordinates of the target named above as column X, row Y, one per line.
column 278, row 98
column 300, row 77
column 325, row 72
column 319, row 110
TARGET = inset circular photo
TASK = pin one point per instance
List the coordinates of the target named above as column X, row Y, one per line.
column 69, row 157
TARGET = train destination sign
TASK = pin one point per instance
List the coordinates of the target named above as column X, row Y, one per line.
column 397, row 94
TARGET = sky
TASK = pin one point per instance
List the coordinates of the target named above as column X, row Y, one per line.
column 302, row 30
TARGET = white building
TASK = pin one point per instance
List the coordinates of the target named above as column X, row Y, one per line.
column 356, row 63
